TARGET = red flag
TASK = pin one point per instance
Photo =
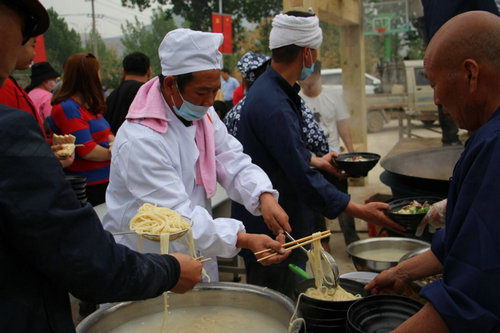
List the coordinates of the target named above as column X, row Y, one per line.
column 40, row 54
column 223, row 24
column 227, row 30
column 216, row 22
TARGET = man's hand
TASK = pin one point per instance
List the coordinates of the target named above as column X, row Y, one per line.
column 435, row 218
column 190, row 273
column 111, row 140
column 274, row 216
column 391, row 281
column 258, row 242
column 373, row 212
column 325, row 163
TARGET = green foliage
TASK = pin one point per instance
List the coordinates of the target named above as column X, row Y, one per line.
column 60, row 41
column 198, row 13
column 146, row 39
column 109, row 62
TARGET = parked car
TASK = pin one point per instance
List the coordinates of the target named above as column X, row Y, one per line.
column 333, row 77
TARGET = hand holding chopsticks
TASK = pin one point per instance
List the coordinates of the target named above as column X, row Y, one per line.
column 199, row 259
column 294, row 244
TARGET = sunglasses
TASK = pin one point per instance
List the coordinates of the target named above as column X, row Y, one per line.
column 29, row 28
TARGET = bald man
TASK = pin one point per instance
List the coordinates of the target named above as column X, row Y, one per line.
column 463, row 66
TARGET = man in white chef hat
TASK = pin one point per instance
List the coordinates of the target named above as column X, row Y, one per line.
column 173, row 148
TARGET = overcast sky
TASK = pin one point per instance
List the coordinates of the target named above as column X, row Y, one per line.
column 77, row 14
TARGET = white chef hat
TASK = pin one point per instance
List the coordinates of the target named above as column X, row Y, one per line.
column 301, row 31
column 185, row 51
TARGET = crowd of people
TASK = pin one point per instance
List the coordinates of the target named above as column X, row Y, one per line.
column 164, row 140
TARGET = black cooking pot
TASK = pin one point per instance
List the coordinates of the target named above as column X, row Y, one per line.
column 326, row 316
column 380, row 313
column 421, row 173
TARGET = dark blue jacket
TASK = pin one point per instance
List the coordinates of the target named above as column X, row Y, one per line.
column 270, row 132
column 467, row 297
column 437, row 12
column 50, row 245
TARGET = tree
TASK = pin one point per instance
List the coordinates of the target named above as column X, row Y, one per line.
column 109, row 62
column 60, row 41
column 198, row 13
column 147, row 39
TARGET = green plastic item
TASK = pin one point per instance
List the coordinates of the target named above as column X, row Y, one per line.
column 299, row 271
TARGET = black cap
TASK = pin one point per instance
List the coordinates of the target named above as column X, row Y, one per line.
column 34, row 10
column 40, row 72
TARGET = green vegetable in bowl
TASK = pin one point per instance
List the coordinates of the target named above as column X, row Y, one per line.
column 415, row 207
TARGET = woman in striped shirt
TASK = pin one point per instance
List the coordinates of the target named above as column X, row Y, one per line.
column 78, row 109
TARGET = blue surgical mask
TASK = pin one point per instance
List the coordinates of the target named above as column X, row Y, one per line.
column 306, row 72
column 189, row 111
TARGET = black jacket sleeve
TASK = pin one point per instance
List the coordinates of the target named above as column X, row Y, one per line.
column 44, row 225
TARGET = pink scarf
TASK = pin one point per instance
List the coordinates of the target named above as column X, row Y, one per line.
column 148, row 109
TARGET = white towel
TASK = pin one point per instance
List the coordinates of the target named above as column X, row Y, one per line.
column 301, row 31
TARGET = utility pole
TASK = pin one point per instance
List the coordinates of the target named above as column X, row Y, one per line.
column 221, row 25
column 94, row 33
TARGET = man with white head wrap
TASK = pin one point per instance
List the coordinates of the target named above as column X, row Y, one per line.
column 270, row 131
column 173, row 148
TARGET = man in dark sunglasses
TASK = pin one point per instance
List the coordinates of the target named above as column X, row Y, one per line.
column 49, row 243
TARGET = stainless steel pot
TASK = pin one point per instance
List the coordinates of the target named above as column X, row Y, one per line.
column 236, row 295
column 377, row 243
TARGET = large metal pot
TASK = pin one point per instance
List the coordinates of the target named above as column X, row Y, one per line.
column 359, row 249
column 424, row 172
column 235, row 295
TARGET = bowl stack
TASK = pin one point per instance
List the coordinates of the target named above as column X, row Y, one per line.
column 78, row 184
column 326, row 316
column 380, row 313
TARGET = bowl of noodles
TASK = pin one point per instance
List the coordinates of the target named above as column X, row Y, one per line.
column 410, row 211
column 152, row 221
column 356, row 164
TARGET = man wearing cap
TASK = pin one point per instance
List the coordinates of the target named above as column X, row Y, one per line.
column 270, row 131
column 43, row 81
column 51, row 244
column 173, row 148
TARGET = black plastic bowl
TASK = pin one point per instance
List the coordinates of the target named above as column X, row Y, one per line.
column 357, row 168
column 315, row 308
column 409, row 221
column 380, row 313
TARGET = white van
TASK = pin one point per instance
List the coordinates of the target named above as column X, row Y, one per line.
column 333, row 77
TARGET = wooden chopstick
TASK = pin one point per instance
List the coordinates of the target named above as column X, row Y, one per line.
column 198, row 259
column 205, row 260
column 326, row 232
column 294, row 247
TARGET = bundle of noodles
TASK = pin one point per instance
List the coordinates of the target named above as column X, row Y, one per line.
column 151, row 219
column 322, row 273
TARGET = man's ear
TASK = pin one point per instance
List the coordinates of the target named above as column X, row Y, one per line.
column 471, row 68
column 169, row 85
column 148, row 73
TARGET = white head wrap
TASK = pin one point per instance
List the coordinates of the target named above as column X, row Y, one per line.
column 301, row 31
column 185, row 51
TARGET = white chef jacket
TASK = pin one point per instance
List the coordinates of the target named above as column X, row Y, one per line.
column 160, row 168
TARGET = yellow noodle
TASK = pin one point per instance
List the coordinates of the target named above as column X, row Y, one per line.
column 322, row 273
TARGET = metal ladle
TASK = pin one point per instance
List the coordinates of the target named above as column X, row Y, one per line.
column 329, row 262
